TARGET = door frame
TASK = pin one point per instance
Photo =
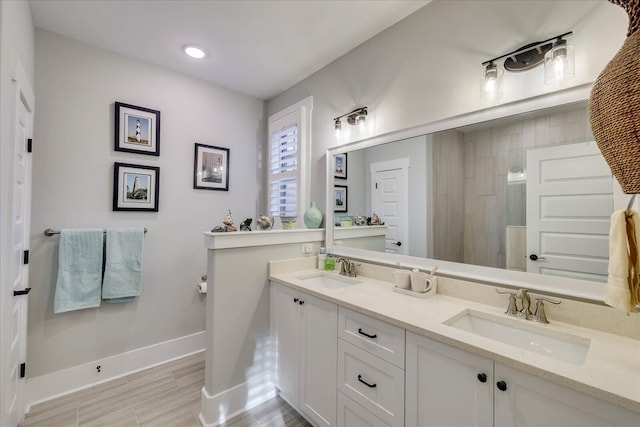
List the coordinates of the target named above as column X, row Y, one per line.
column 403, row 164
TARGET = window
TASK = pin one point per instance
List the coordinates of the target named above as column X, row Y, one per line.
column 288, row 160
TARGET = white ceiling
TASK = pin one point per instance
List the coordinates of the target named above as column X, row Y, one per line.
column 257, row 47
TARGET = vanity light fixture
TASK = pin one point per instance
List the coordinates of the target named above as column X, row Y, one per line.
column 194, row 51
column 356, row 117
column 556, row 54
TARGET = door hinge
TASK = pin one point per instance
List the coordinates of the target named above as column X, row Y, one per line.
column 23, row 370
column 29, row 145
column 25, row 257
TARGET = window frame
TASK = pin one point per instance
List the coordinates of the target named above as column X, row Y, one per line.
column 299, row 113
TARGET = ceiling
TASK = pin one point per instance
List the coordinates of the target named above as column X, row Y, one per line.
column 256, row 47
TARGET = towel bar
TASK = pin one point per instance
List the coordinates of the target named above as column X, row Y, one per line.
column 50, row 232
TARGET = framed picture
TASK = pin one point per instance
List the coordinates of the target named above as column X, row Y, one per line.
column 137, row 129
column 340, row 166
column 135, row 187
column 340, row 198
column 211, row 168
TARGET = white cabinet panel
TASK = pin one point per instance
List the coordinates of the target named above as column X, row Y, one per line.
column 529, row 401
column 285, row 317
column 318, row 360
column 375, row 384
column 350, row 414
column 304, row 340
column 379, row 338
column 447, row 386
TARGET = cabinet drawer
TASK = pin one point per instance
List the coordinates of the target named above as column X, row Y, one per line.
column 350, row 414
column 382, row 339
column 375, row 384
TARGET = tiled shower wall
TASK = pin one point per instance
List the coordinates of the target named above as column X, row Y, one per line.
column 490, row 204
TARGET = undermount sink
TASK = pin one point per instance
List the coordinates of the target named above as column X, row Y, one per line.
column 525, row 335
column 328, row 281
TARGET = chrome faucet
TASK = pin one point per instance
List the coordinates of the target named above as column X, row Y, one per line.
column 347, row 268
column 525, row 312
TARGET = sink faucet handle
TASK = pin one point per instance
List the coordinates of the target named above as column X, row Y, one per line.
column 540, row 315
column 512, row 308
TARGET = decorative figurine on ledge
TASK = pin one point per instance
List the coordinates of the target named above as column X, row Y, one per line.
column 360, row 220
column 246, row 224
column 228, row 222
column 375, row 219
column 264, row 222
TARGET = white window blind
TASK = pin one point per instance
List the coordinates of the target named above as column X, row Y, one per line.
column 284, row 160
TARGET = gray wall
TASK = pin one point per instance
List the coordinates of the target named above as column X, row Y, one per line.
column 427, row 67
column 76, row 86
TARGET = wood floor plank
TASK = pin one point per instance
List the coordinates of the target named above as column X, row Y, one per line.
column 165, row 396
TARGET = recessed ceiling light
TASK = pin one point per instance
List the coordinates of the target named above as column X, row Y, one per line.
column 194, row 52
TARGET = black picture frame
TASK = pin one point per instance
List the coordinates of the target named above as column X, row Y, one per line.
column 340, row 198
column 126, row 197
column 137, row 129
column 340, row 166
column 211, row 168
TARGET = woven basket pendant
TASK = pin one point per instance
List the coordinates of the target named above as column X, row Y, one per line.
column 614, row 106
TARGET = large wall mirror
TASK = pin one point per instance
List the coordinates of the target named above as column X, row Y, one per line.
column 527, row 193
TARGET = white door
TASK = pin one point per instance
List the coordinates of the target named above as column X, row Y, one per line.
column 14, row 310
column 569, row 206
column 389, row 200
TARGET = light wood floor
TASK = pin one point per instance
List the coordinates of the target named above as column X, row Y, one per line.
column 167, row 395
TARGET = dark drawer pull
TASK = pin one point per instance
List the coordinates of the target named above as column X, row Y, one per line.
column 366, row 334
column 25, row 291
column 366, row 383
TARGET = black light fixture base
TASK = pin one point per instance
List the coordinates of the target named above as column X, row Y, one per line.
column 531, row 56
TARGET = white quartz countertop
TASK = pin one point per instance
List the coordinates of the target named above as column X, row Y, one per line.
column 611, row 371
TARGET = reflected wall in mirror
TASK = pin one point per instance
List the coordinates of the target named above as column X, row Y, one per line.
column 527, row 193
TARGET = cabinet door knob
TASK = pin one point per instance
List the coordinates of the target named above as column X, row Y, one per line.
column 366, row 383
column 295, row 300
column 502, row 386
column 301, row 302
column 366, row 334
column 482, row 377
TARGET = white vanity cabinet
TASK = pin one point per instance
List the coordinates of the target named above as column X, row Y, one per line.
column 304, row 340
column 450, row 387
column 447, row 386
column 532, row 401
column 370, row 371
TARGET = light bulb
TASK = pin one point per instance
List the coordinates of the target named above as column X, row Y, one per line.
column 194, row 51
column 492, row 85
column 559, row 63
column 338, row 128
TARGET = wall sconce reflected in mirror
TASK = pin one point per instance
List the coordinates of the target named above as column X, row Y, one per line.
column 357, row 117
column 557, row 55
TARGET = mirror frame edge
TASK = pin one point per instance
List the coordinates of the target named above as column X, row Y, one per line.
column 564, row 287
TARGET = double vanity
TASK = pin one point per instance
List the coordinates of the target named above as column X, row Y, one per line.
column 351, row 352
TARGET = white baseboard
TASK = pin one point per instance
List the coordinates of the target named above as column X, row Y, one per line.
column 65, row 381
column 229, row 403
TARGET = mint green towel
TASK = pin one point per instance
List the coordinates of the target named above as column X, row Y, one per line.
column 79, row 270
column 123, row 266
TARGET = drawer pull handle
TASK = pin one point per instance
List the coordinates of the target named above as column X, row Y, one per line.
column 366, row 383
column 366, row 334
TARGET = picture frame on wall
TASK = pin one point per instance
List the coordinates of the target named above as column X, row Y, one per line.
column 135, row 187
column 340, row 166
column 211, row 168
column 137, row 129
column 340, row 198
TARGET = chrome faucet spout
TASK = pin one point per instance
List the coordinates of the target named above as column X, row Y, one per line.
column 525, row 312
column 347, row 268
